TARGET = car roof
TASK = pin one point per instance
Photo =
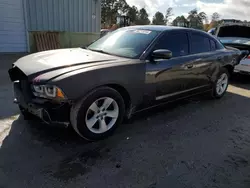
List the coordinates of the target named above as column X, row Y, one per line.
column 159, row 27
column 163, row 28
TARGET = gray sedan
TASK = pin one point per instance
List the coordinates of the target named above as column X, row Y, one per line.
column 129, row 70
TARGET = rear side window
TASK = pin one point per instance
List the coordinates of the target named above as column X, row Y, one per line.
column 199, row 44
column 177, row 43
column 212, row 45
column 219, row 45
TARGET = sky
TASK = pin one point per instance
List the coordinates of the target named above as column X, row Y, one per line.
column 228, row 9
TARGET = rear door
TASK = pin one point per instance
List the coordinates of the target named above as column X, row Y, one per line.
column 204, row 55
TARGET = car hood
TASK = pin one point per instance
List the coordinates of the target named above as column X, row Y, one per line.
column 46, row 61
column 234, row 40
column 233, row 31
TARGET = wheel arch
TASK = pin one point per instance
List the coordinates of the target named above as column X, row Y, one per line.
column 77, row 104
column 117, row 87
column 123, row 92
column 230, row 69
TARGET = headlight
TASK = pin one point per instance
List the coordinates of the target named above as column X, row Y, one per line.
column 48, row 91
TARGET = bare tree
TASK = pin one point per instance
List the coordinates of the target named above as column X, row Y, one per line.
column 215, row 16
column 169, row 14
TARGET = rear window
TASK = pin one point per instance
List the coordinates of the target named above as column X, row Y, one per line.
column 212, row 45
column 199, row 44
column 219, row 45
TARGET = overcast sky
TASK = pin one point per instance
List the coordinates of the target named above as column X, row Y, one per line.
column 237, row 9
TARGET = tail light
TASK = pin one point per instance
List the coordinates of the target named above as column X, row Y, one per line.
column 248, row 57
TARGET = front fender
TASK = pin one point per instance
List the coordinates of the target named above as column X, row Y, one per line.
column 77, row 84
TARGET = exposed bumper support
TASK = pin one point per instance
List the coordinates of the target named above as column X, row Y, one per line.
column 44, row 114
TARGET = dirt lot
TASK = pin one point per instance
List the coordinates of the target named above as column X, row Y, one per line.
column 195, row 143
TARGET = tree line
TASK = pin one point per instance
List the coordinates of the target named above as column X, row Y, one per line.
column 110, row 9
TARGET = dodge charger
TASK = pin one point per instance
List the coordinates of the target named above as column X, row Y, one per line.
column 93, row 88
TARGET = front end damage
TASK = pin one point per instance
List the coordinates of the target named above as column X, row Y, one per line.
column 237, row 36
column 49, row 111
column 243, row 65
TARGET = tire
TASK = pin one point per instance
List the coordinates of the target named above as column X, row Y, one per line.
column 216, row 92
column 82, row 112
column 26, row 115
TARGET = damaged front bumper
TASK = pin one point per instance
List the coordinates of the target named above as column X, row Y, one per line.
column 50, row 112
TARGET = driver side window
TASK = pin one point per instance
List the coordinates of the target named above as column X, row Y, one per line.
column 177, row 43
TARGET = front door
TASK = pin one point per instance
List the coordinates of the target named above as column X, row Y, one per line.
column 171, row 76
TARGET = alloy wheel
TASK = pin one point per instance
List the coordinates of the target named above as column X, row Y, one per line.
column 222, row 84
column 102, row 115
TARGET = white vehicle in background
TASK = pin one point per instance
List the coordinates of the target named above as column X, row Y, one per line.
column 236, row 35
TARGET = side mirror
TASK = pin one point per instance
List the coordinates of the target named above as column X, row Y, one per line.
column 162, row 54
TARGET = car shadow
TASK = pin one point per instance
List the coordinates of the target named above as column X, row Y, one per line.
column 33, row 149
column 240, row 80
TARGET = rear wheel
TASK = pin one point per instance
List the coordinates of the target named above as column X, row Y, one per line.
column 98, row 114
column 221, row 84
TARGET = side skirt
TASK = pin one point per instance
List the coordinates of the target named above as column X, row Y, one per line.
column 170, row 101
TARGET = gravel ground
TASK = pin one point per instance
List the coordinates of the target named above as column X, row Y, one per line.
column 195, row 143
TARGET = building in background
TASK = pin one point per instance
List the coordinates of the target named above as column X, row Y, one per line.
column 77, row 22
column 225, row 21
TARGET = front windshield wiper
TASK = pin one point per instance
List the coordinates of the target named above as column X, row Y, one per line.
column 104, row 52
column 98, row 50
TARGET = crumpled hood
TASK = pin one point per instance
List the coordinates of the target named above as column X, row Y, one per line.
column 237, row 33
column 234, row 40
column 58, row 59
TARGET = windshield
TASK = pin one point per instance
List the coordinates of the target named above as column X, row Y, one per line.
column 129, row 43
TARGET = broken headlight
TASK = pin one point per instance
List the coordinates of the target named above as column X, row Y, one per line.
column 48, row 91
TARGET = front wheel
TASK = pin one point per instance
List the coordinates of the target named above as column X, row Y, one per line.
column 98, row 114
column 221, row 84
